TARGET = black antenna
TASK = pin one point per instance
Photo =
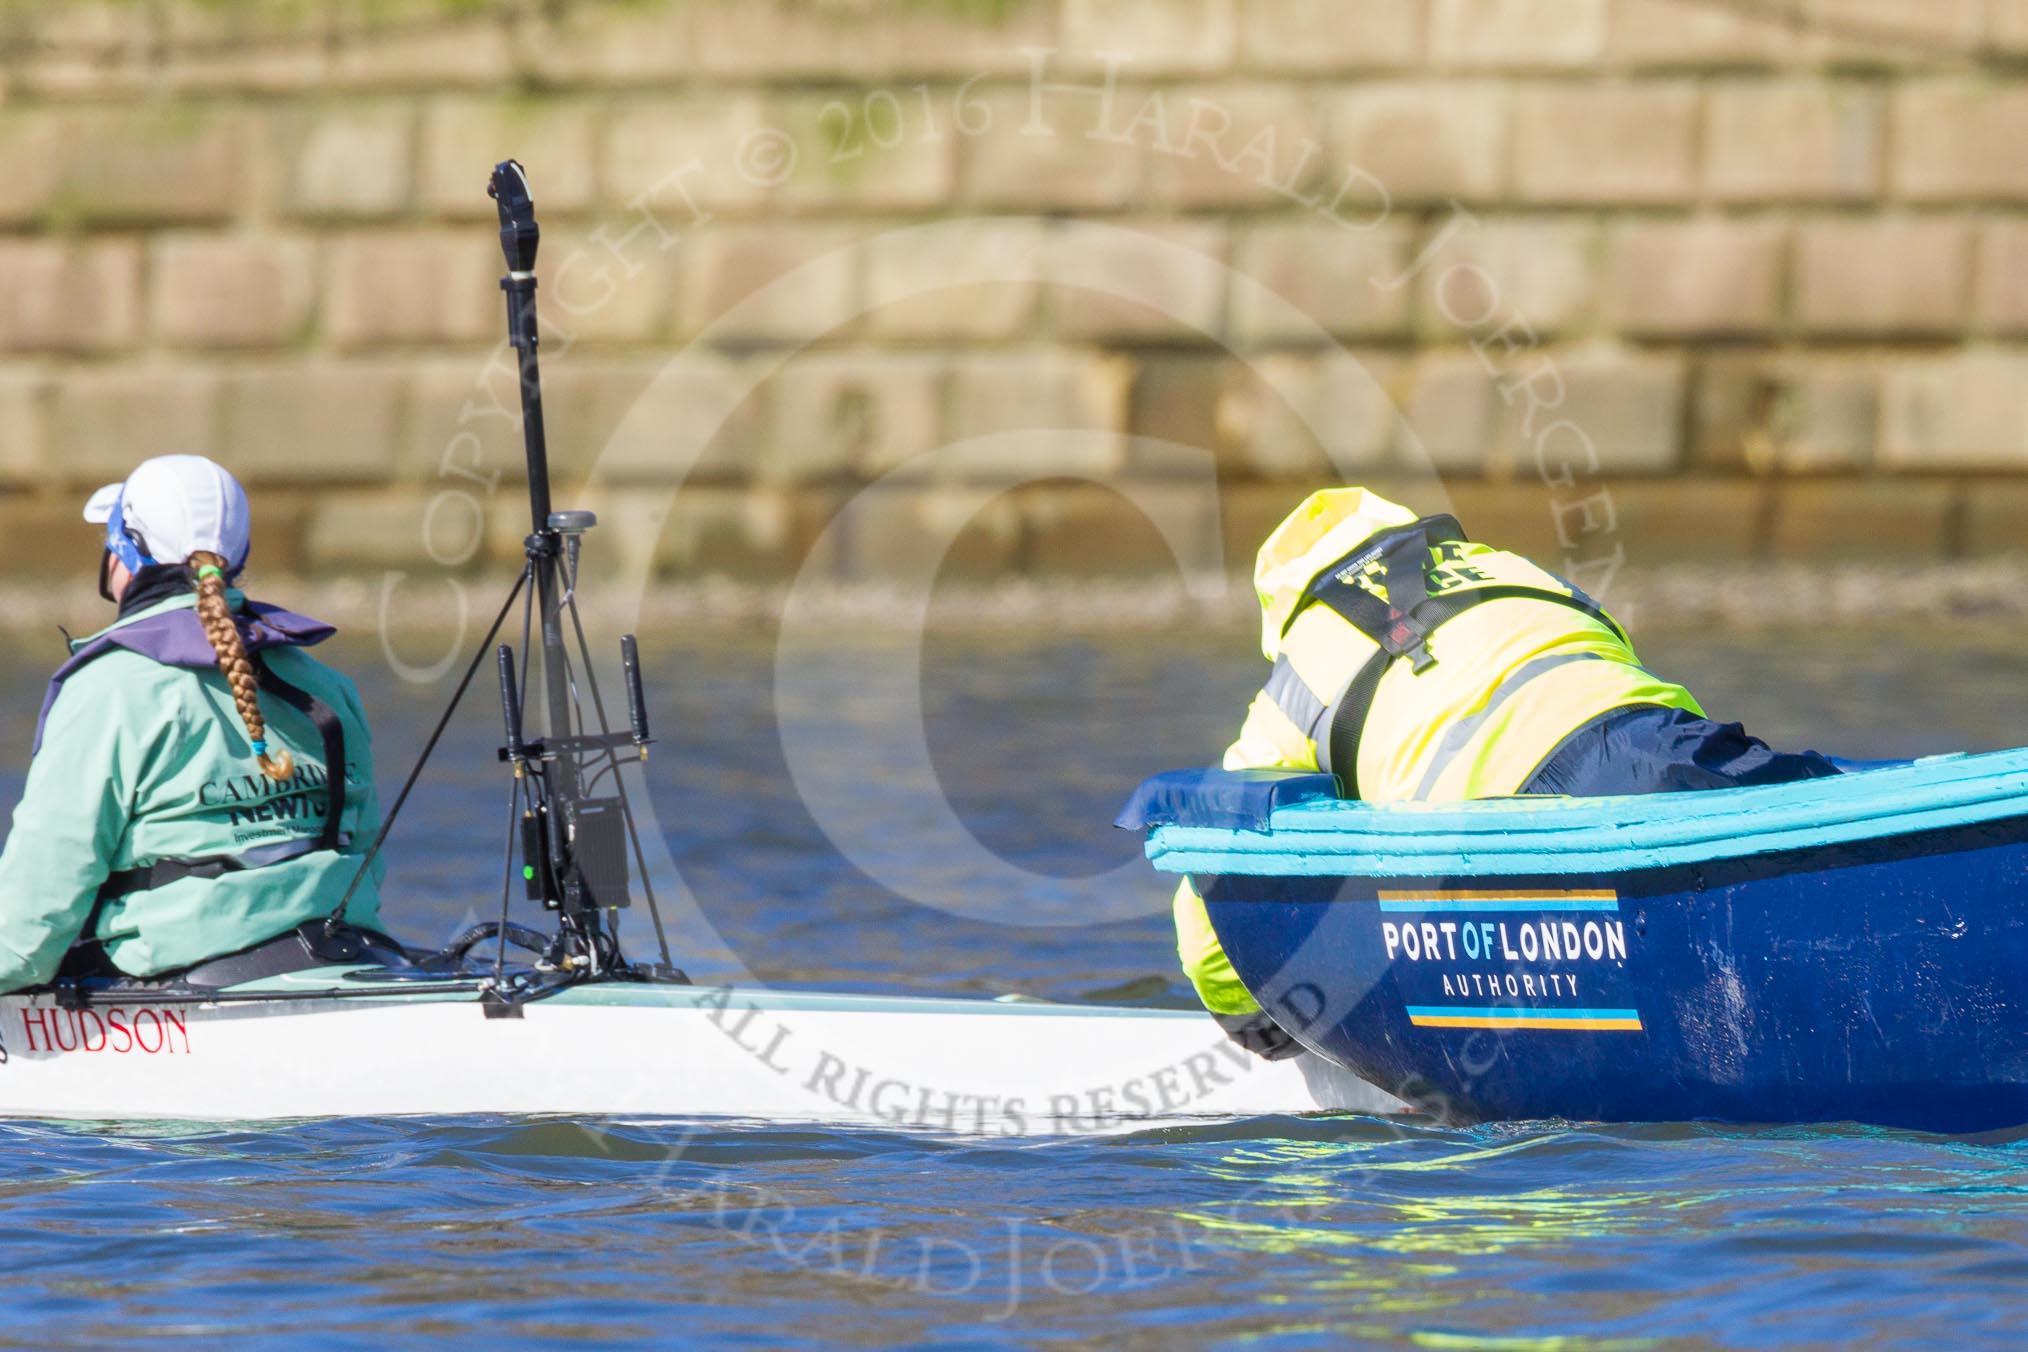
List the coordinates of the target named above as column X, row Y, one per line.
column 637, row 703
column 510, row 703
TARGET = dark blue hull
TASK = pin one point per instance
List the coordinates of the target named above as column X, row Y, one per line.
column 1881, row 981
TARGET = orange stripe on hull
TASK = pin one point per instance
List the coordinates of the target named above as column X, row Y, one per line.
column 1551, row 1025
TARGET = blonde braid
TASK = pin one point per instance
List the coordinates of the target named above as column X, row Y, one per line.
column 216, row 615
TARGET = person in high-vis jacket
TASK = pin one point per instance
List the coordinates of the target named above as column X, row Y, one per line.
column 200, row 784
column 1416, row 664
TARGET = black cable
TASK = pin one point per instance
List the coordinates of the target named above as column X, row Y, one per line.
column 337, row 916
column 520, row 781
column 647, row 888
column 507, row 871
column 527, row 640
column 591, row 676
column 610, row 765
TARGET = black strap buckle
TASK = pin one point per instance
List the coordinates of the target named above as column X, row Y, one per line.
column 1401, row 625
column 1407, row 636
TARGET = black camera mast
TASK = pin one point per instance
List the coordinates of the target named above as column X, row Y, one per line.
column 574, row 845
column 574, row 839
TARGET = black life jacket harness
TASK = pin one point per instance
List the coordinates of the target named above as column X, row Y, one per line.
column 1403, row 561
column 165, row 871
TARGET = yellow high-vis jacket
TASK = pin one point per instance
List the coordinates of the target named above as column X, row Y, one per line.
column 1472, row 666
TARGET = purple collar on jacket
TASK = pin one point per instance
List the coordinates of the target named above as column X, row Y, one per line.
column 176, row 638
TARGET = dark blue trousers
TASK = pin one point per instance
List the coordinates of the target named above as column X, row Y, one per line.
column 1656, row 750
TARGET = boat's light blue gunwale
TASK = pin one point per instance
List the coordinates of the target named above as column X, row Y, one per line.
column 1593, row 836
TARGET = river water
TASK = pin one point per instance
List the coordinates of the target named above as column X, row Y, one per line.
column 1282, row 1232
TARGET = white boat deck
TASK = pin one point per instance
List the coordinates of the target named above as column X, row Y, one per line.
column 967, row 1067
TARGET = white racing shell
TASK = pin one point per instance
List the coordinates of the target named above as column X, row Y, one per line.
column 968, row 1067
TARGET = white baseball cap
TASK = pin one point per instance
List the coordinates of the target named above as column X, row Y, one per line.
column 176, row 506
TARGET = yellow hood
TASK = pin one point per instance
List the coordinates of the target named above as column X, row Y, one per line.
column 1329, row 525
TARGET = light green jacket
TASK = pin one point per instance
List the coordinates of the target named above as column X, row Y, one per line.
column 142, row 762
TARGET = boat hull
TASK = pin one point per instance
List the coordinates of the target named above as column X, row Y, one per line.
column 1881, row 981
column 633, row 1051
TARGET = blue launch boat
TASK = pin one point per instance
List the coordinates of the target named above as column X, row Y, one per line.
column 1843, row 949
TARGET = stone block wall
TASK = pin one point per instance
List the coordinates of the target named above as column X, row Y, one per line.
column 1056, row 286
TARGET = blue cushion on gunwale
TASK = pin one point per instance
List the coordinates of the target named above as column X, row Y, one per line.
column 1232, row 800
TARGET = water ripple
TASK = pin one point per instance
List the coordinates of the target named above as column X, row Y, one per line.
column 1279, row 1232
